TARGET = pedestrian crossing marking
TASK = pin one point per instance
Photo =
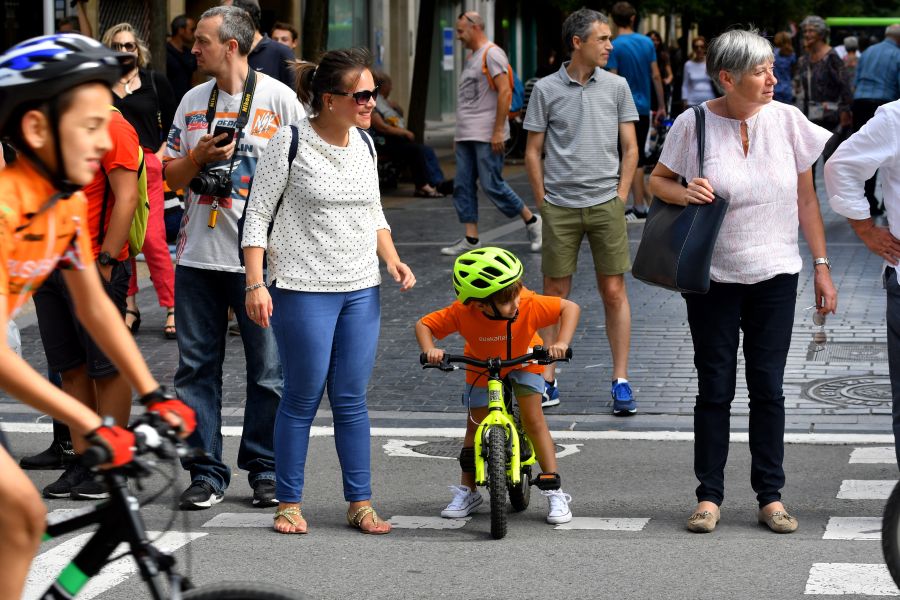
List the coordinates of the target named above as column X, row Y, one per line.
column 833, row 579
column 866, row 489
column 417, row 522
column 873, row 455
column 404, row 448
column 853, row 528
column 47, row 566
column 242, row 519
column 605, row 524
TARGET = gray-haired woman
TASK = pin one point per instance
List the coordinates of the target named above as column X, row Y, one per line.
column 759, row 156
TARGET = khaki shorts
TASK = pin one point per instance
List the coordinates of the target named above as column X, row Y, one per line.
column 564, row 228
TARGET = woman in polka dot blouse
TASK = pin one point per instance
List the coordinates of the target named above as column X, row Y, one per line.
column 321, row 294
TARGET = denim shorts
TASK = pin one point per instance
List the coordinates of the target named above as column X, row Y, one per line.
column 523, row 384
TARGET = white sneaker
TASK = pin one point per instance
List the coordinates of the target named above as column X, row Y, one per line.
column 534, row 234
column 559, row 506
column 464, row 502
column 459, row 247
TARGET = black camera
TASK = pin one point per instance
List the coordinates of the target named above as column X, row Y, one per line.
column 212, row 183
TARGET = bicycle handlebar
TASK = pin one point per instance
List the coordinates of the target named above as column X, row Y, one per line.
column 152, row 436
column 538, row 354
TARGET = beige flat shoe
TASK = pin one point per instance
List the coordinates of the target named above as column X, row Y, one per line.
column 779, row 521
column 703, row 522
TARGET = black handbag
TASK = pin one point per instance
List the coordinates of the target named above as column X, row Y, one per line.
column 677, row 244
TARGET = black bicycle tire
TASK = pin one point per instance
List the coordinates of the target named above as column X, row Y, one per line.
column 520, row 494
column 890, row 534
column 240, row 590
column 497, row 480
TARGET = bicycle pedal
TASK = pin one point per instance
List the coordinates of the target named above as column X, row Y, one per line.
column 547, row 481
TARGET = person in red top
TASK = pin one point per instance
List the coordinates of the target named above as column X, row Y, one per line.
column 498, row 316
column 54, row 107
column 85, row 370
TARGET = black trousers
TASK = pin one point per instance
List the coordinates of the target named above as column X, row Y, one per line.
column 764, row 311
column 864, row 109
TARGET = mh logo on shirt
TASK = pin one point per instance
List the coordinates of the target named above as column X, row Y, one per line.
column 265, row 124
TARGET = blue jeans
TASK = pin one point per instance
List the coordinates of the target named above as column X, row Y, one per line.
column 892, row 288
column 764, row 311
column 203, row 297
column 325, row 339
column 476, row 161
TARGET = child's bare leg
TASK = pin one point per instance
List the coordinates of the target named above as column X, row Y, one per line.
column 536, row 428
column 473, row 420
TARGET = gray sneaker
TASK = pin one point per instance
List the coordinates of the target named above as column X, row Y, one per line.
column 534, row 235
column 459, row 247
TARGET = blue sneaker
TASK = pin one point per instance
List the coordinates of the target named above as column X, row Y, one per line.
column 550, row 397
column 623, row 399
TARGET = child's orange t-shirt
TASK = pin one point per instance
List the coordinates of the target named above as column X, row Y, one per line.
column 57, row 237
column 486, row 338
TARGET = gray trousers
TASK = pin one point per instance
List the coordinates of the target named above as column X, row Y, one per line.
column 892, row 288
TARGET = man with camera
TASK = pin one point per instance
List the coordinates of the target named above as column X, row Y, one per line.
column 220, row 129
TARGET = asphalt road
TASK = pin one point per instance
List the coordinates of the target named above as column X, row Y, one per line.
column 649, row 480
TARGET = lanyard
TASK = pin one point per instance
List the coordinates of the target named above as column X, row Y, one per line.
column 246, row 101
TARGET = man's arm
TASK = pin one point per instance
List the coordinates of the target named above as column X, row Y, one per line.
column 84, row 24
column 123, row 183
column 628, row 141
column 534, row 166
column 180, row 171
column 504, row 97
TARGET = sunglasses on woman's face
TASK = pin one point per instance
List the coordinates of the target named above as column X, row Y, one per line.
column 127, row 46
column 362, row 98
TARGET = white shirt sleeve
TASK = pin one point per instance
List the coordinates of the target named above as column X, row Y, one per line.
column 855, row 161
column 269, row 183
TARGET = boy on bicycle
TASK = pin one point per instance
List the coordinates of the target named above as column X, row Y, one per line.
column 54, row 107
column 498, row 317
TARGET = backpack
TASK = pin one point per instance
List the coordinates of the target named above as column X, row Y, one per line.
column 138, row 230
column 515, row 84
column 292, row 154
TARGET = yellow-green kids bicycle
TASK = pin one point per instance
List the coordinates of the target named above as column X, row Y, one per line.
column 503, row 452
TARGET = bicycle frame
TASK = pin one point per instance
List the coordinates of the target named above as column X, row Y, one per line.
column 120, row 521
column 499, row 416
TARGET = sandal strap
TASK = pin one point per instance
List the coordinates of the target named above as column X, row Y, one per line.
column 361, row 513
column 288, row 514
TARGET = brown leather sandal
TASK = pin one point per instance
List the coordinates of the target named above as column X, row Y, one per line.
column 361, row 513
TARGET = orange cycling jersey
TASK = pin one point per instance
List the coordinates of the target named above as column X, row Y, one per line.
column 486, row 338
column 34, row 242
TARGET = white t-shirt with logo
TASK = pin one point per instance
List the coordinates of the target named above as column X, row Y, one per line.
column 274, row 105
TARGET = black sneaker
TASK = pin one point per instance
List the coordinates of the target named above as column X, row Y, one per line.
column 90, row 489
column 199, row 495
column 71, row 477
column 264, row 493
column 58, row 456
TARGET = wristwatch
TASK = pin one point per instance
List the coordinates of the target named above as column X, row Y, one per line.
column 822, row 260
column 106, row 259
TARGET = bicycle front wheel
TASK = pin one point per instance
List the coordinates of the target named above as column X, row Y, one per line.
column 497, row 480
column 240, row 590
column 890, row 534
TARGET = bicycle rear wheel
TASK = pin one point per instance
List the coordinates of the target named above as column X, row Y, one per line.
column 239, row 590
column 890, row 534
column 497, row 480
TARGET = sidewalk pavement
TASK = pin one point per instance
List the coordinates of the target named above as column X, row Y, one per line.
column 843, row 388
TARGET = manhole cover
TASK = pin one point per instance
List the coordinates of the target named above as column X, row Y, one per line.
column 847, row 392
column 848, row 352
column 447, row 448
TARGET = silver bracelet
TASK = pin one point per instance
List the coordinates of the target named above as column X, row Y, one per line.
column 254, row 286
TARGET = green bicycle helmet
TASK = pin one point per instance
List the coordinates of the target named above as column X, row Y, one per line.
column 479, row 273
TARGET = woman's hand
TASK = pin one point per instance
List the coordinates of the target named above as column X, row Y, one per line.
column 698, row 191
column 259, row 306
column 826, row 293
column 402, row 274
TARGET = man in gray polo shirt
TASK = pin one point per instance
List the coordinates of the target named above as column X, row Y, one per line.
column 482, row 128
column 576, row 117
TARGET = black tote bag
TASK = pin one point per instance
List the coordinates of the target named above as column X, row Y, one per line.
column 677, row 244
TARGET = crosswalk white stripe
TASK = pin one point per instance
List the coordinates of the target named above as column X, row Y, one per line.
column 241, row 519
column 417, row 522
column 47, row 566
column 853, row 528
column 605, row 524
column 873, row 455
column 833, row 579
column 865, row 489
